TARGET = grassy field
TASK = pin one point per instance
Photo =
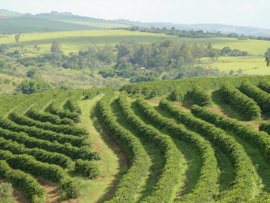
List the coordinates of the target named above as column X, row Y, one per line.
column 96, row 24
column 73, row 41
column 247, row 64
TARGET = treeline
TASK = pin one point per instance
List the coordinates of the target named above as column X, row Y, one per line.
column 164, row 60
column 191, row 33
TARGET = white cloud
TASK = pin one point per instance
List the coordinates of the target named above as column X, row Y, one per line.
column 214, row 5
column 248, row 8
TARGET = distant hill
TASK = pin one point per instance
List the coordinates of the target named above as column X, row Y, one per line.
column 55, row 21
column 6, row 13
column 226, row 29
column 35, row 24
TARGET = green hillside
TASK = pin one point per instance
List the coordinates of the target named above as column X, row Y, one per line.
column 73, row 41
column 159, row 141
column 6, row 13
column 34, row 24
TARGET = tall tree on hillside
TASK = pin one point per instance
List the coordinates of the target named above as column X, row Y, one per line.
column 56, row 47
column 267, row 59
column 17, row 38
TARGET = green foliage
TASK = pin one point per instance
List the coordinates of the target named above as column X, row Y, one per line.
column 137, row 174
column 58, row 102
column 29, row 185
column 107, row 72
column 2, row 64
column 264, row 85
column 65, row 129
column 209, row 167
column 165, row 188
column 39, row 154
column 200, row 96
column 259, row 140
column 107, row 57
column 248, row 108
column 56, row 47
column 34, row 86
column 50, row 172
column 160, row 88
column 39, row 133
column 267, row 53
column 87, row 169
column 244, row 186
column 6, row 193
column 145, row 76
column 29, row 63
column 67, row 149
column 258, row 95
column 33, row 73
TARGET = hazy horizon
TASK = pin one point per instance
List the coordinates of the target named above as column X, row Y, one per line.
column 241, row 13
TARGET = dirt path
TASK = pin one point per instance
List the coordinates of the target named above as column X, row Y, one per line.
column 113, row 163
column 18, row 194
column 254, row 124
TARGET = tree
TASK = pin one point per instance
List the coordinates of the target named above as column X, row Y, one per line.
column 267, row 53
column 17, row 38
column 267, row 59
column 34, row 86
column 30, row 63
column 107, row 57
column 107, row 72
column 214, row 53
column 56, row 47
column 2, row 64
column 232, row 72
column 33, row 73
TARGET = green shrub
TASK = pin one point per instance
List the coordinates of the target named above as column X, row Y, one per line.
column 30, row 63
column 248, row 108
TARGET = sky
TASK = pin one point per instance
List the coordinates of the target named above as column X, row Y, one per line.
column 254, row 13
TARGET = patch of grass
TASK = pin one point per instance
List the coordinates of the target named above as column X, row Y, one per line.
column 112, row 164
column 246, row 63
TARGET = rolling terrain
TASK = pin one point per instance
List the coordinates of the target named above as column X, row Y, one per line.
column 106, row 146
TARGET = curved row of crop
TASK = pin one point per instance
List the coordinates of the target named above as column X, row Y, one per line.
column 67, row 149
column 56, row 108
column 39, row 133
column 265, row 86
column 47, row 117
column 261, row 97
column 200, row 96
column 36, row 113
column 169, row 180
column 72, row 103
column 65, row 129
column 165, row 87
column 260, row 140
column 29, row 185
column 50, row 172
column 244, row 186
column 40, row 154
column 241, row 103
column 206, row 186
column 134, row 179
column 9, row 106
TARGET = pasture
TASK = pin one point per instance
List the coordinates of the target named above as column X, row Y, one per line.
column 73, row 41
